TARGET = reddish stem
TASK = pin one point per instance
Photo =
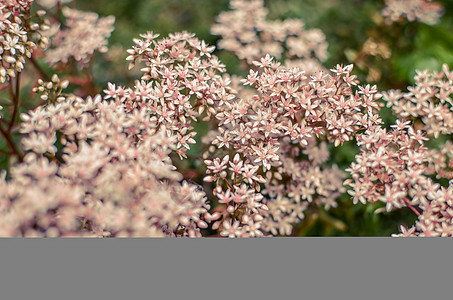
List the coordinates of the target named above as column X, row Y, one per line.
column 16, row 100
column 411, row 207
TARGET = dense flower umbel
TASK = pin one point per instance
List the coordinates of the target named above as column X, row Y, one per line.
column 392, row 168
column 83, row 34
column 421, row 10
column 275, row 129
column 101, row 166
column 181, row 80
column 19, row 36
column 241, row 209
column 287, row 103
column 113, row 176
column 429, row 100
column 407, row 165
column 246, row 32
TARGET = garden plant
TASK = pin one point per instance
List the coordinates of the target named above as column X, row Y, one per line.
column 240, row 118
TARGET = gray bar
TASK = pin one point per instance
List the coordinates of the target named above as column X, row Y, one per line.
column 268, row 268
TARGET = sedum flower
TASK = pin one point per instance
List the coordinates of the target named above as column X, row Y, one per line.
column 424, row 11
column 270, row 126
column 182, row 82
column 18, row 36
column 249, row 35
column 112, row 176
column 83, row 34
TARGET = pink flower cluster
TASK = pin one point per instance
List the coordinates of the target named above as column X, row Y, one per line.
column 429, row 105
column 111, row 177
column 436, row 218
column 275, row 127
column 106, row 166
column 19, row 36
column 181, row 81
column 83, row 34
column 290, row 103
column 440, row 163
column 392, row 168
column 424, row 11
column 428, row 101
column 241, row 209
column 246, row 32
